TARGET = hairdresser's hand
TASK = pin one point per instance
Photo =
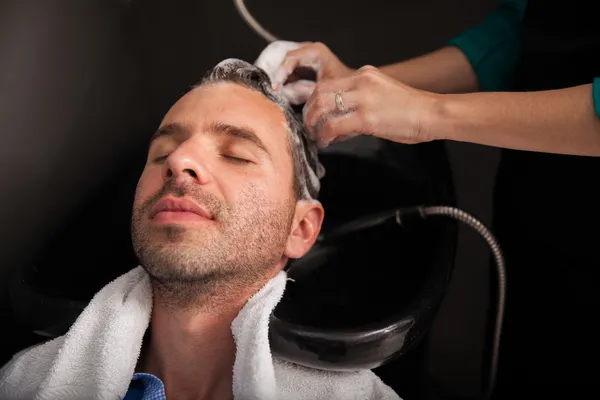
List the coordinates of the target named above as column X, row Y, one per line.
column 302, row 68
column 373, row 104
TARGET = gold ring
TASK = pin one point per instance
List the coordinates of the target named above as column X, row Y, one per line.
column 338, row 101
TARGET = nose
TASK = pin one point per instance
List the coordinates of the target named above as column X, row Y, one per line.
column 185, row 165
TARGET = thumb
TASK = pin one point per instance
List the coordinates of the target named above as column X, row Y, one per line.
column 305, row 57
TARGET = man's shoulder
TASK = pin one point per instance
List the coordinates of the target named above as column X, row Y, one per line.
column 308, row 383
column 26, row 369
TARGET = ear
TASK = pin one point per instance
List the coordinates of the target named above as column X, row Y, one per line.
column 305, row 228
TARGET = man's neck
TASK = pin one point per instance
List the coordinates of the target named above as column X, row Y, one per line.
column 192, row 354
column 192, row 349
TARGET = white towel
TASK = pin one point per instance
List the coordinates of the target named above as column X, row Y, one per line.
column 97, row 357
column 270, row 60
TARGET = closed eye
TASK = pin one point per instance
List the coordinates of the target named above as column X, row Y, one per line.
column 235, row 159
column 227, row 157
column 161, row 158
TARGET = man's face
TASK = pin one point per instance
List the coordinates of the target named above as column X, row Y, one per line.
column 216, row 195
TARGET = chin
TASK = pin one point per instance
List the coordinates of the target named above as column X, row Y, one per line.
column 174, row 263
column 176, row 235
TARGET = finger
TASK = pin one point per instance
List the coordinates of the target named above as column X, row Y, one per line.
column 298, row 92
column 323, row 97
column 338, row 128
column 343, row 138
column 308, row 56
column 345, row 84
column 323, row 106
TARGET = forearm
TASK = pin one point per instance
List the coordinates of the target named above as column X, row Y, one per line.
column 555, row 121
column 446, row 70
column 481, row 58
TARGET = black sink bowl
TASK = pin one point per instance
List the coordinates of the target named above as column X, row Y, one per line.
column 364, row 301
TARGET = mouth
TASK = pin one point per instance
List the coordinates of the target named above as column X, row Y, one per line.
column 177, row 210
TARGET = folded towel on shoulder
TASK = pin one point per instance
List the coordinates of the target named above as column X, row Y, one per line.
column 97, row 357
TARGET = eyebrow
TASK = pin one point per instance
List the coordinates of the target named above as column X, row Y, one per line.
column 218, row 127
column 172, row 129
column 238, row 132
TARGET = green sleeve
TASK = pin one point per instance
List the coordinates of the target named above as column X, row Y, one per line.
column 596, row 95
column 492, row 47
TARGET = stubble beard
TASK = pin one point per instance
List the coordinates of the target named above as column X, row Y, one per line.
column 206, row 266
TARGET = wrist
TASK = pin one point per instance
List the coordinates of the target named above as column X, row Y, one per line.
column 443, row 117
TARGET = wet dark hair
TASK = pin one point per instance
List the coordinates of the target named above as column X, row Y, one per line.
column 307, row 169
